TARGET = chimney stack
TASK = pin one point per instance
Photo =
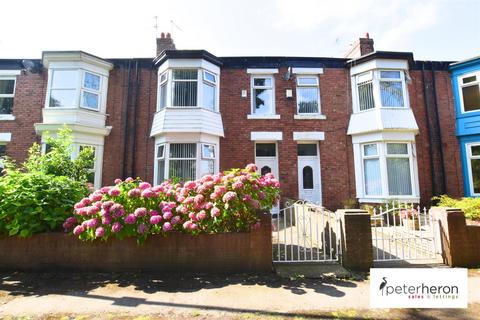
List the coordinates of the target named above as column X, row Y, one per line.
column 360, row 47
column 164, row 43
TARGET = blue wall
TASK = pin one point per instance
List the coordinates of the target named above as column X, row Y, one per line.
column 467, row 124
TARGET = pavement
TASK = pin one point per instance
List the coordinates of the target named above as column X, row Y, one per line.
column 145, row 296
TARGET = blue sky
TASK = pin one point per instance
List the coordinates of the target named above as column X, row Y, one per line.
column 431, row 29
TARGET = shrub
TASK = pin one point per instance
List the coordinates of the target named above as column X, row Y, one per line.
column 38, row 195
column 35, row 202
column 470, row 206
column 223, row 202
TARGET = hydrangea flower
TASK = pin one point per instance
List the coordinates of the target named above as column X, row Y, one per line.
column 99, row 232
column 116, row 227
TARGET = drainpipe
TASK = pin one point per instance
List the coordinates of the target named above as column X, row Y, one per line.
column 134, row 125
column 125, row 123
column 429, row 129
column 439, row 133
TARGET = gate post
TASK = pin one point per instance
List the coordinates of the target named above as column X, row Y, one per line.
column 356, row 239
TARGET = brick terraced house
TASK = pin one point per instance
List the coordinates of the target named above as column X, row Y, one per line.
column 371, row 126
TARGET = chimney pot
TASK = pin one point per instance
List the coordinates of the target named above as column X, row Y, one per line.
column 360, row 47
column 165, row 42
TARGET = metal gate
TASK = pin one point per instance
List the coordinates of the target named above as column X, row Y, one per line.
column 402, row 231
column 305, row 232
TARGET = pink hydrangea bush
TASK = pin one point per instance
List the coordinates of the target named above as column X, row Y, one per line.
column 223, row 202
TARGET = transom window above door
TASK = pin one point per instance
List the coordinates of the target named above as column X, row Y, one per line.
column 187, row 88
column 265, row 150
column 307, row 149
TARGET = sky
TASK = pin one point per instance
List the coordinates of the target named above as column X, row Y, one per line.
column 431, row 29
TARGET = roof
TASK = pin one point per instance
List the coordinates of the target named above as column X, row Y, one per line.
column 382, row 55
column 465, row 63
column 187, row 54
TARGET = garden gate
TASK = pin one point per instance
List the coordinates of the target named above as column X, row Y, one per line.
column 305, row 232
column 404, row 232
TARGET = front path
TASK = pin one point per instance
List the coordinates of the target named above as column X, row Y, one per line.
column 129, row 295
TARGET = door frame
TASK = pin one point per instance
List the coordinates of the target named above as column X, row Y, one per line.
column 319, row 175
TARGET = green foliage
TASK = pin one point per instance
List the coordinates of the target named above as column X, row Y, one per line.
column 470, row 206
column 36, row 202
column 58, row 160
column 38, row 195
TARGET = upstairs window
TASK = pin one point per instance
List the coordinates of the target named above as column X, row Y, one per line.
column 209, row 92
column 7, row 92
column 391, row 89
column 365, row 91
column 75, row 88
column 380, row 89
column 184, row 88
column 262, row 95
column 308, row 95
column 470, row 92
column 187, row 88
column 63, row 88
column 163, row 90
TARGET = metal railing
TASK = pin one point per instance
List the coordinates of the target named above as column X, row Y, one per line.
column 305, row 232
column 402, row 231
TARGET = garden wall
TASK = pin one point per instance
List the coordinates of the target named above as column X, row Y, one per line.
column 249, row 252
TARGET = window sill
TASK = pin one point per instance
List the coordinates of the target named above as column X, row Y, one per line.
column 310, row 117
column 7, row 117
column 409, row 199
column 263, row 116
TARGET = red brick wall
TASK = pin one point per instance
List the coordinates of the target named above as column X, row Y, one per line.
column 27, row 108
column 237, row 150
column 336, row 155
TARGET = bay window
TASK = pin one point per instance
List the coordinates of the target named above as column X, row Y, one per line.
column 262, row 95
column 92, row 169
column 184, row 88
column 473, row 158
column 308, row 95
column 470, row 92
column 187, row 88
column 183, row 161
column 7, row 92
column 387, row 169
column 380, row 89
column 73, row 88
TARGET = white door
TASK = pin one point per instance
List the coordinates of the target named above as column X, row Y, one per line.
column 309, row 182
column 266, row 160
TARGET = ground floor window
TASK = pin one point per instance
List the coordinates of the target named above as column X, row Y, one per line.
column 92, row 170
column 387, row 169
column 184, row 161
column 473, row 154
column 3, row 153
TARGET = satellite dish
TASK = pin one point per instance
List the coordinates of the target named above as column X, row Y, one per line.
column 30, row 66
column 288, row 74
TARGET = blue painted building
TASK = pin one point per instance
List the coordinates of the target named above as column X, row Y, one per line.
column 466, row 89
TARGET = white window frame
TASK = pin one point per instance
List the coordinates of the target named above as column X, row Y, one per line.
column 214, row 151
column 160, row 157
column 92, row 91
column 79, row 89
column 375, row 80
column 96, row 165
column 201, row 81
column 461, row 86
column 160, row 83
column 252, row 90
column 383, row 155
column 9, row 116
column 316, row 86
column 468, row 150
column 210, row 83
column 2, row 166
